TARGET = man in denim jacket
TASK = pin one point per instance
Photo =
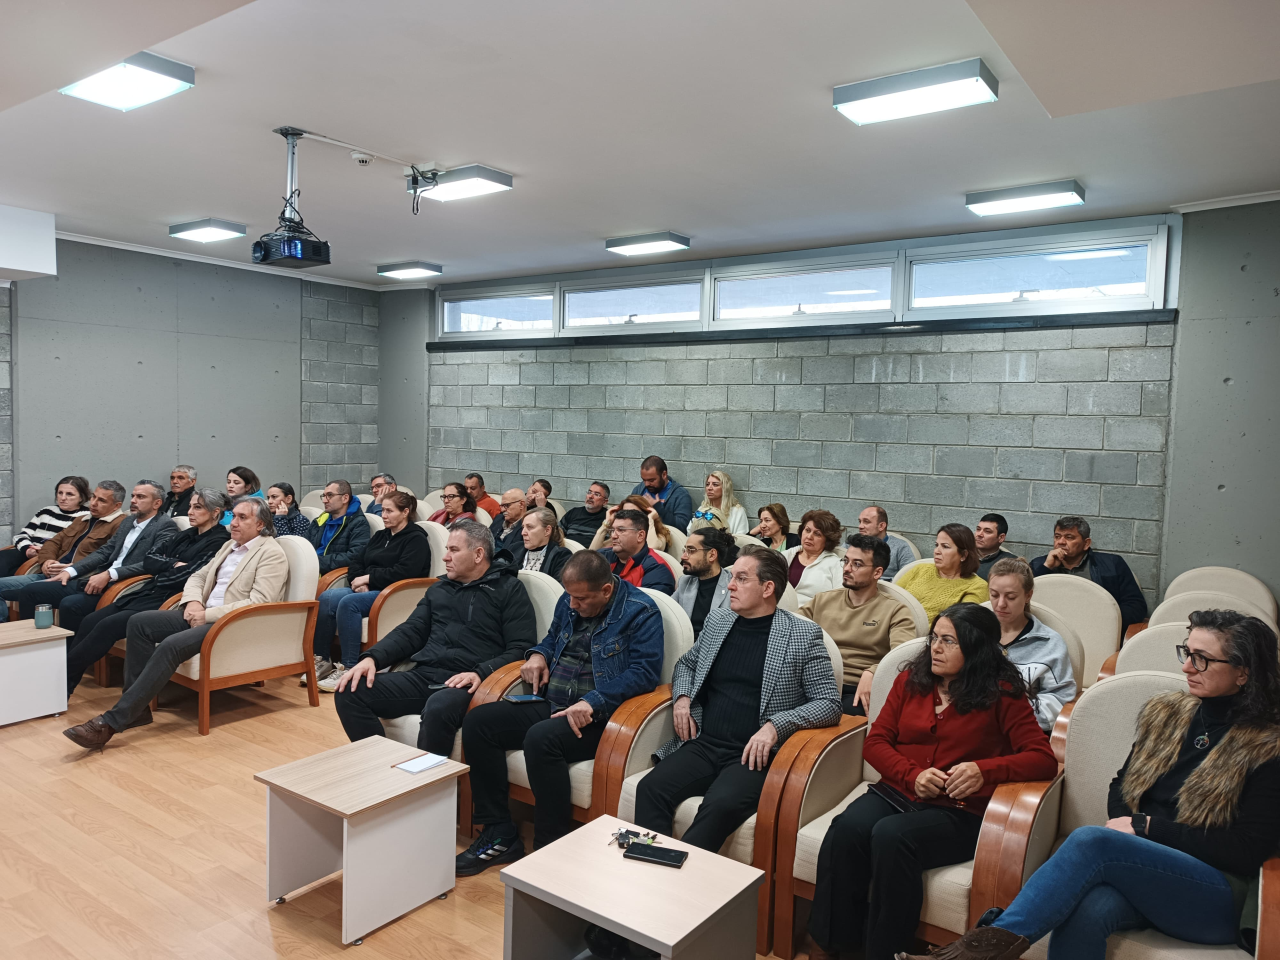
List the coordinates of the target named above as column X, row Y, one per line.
column 605, row 646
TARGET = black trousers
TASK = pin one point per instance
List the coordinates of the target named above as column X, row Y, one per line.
column 849, row 703
column 71, row 602
column 873, row 851
column 730, row 792
column 11, row 560
column 97, row 634
column 549, row 746
column 362, row 708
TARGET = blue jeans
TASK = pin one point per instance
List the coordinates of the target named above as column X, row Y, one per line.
column 342, row 610
column 11, row 586
column 1102, row 880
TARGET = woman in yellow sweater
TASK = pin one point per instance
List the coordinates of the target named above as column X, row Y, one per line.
column 953, row 577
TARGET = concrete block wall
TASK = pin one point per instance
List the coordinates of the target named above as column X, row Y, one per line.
column 339, row 385
column 935, row 428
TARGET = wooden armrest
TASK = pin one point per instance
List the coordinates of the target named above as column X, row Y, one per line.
column 386, row 594
column 1058, row 739
column 110, row 594
column 1134, row 630
column 1109, row 666
column 251, row 611
column 495, row 685
column 329, row 579
column 615, row 746
column 1269, row 912
column 28, row 567
column 1001, row 855
column 172, row 602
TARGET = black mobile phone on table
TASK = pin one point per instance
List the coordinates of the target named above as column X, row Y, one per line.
column 651, row 854
column 523, row 698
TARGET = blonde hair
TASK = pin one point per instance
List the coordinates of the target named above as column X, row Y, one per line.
column 716, row 520
column 1014, row 567
column 727, row 500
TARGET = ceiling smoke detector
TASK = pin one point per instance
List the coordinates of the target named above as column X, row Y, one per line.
column 363, row 159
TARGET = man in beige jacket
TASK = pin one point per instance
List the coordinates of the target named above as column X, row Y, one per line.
column 250, row 568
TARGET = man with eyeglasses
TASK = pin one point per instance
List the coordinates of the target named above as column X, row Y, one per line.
column 581, row 523
column 705, row 584
column 341, row 533
column 507, row 527
column 865, row 623
column 629, row 555
column 381, row 485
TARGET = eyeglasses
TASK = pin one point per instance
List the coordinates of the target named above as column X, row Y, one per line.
column 690, row 548
column 617, row 529
column 856, row 564
column 945, row 641
column 504, row 506
column 1199, row 662
column 704, row 515
column 742, row 580
column 329, row 496
column 449, row 496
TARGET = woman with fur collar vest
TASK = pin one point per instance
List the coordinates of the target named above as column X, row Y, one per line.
column 1195, row 810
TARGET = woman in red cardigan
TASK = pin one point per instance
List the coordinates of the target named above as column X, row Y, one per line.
column 955, row 725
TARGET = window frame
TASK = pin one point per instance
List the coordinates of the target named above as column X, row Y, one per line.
column 799, row 268
column 497, row 292
column 664, row 279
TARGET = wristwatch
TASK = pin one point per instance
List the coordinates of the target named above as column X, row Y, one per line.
column 1139, row 821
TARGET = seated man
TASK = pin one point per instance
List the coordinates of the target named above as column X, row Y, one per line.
column 249, row 568
column 707, row 558
column 581, row 523
column 75, row 590
column 989, row 536
column 182, row 483
column 82, row 536
column 508, row 525
column 874, row 522
column 864, row 623
column 755, row 676
column 536, row 495
column 542, row 549
column 1073, row 554
column 476, row 619
column 672, row 501
column 629, row 555
column 341, row 533
column 475, row 486
column 380, row 486
column 604, row 646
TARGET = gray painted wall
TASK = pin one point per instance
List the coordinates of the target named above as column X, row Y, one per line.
column 1033, row 424
column 1224, row 457
column 402, row 418
column 6, row 417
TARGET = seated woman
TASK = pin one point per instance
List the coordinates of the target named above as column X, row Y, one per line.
column 953, row 576
column 288, row 520
column 813, row 565
column 70, row 494
column 720, row 508
column 400, row 551
column 458, row 505
column 241, row 482
column 543, row 546
column 774, row 528
column 1038, row 651
column 169, row 564
column 658, row 539
column 956, row 725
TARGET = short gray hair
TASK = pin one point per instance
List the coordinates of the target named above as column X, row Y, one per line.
column 157, row 487
column 215, row 501
column 113, row 487
column 477, row 535
column 190, row 471
column 385, row 476
column 261, row 512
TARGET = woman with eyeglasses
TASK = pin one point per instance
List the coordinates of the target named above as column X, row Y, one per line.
column 458, row 505
column 720, row 508
column 1194, row 812
column 956, row 725
column 952, row 577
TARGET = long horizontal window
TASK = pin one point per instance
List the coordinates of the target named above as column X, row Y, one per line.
column 1098, row 273
column 506, row 314
column 805, row 294
column 667, row 303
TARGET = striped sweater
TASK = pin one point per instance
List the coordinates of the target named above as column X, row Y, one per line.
column 48, row 522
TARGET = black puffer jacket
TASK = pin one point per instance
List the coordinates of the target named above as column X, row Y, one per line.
column 465, row 627
column 191, row 548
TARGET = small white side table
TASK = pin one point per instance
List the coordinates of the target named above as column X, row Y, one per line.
column 34, row 663
column 391, row 833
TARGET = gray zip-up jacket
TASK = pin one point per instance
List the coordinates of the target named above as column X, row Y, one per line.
column 1042, row 659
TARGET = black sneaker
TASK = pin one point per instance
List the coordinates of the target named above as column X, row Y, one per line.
column 487, row 850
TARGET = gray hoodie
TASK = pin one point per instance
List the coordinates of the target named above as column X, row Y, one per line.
column 1041, row 657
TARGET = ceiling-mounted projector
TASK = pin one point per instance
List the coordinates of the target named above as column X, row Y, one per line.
column 293, row 244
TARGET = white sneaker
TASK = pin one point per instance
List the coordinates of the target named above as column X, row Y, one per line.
column 330, row 683
column 323, row 669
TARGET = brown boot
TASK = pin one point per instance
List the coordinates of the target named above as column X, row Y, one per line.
column 980, row 943
column 90, row 734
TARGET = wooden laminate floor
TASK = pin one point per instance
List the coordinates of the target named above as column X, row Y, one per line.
column 154, row 849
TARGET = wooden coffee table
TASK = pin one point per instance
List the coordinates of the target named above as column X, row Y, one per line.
column 391, row 833
column 707, row 908
column 34, row 663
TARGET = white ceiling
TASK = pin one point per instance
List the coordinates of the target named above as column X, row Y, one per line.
column 713, row 119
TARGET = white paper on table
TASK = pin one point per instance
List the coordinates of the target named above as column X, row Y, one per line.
column 424, row 762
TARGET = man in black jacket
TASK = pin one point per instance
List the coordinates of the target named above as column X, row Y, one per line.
column 341, row 533
column 182, row 484
column 476, row 619
column 1072, row 554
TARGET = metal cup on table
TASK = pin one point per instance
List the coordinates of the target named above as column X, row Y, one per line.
column 44, row 616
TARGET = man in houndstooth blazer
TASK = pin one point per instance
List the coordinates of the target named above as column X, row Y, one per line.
column 755, row 676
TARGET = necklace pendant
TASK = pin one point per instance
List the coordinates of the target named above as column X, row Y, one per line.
column 1202, row 741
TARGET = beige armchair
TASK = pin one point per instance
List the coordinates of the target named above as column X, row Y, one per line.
column 1150, row 649
column 1228, row 580
column 1180, row 606
column 904, row 596
column 438, row 538
column 1092, row 612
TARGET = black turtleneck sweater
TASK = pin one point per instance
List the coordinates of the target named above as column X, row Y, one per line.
column 1252, row 837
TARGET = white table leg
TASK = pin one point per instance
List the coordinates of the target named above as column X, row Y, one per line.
column 304, row 843
column 729, row 935
column 37, row 680
column 397, row 857
column 536, row 930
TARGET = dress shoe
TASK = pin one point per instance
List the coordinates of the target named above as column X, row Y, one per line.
column 980, row 943
column 142, row 719
column 90, row 734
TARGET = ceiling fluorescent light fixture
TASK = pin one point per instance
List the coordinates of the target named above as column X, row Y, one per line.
column 911, row 94
column 207, row 230
column 410, row 270
column 1037, row 196
column 142, row 79
column 663, row 242
column 474, row 180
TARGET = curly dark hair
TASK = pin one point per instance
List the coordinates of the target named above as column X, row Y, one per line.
column 987, row 673
column 826, row 523
column 1249, row 643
